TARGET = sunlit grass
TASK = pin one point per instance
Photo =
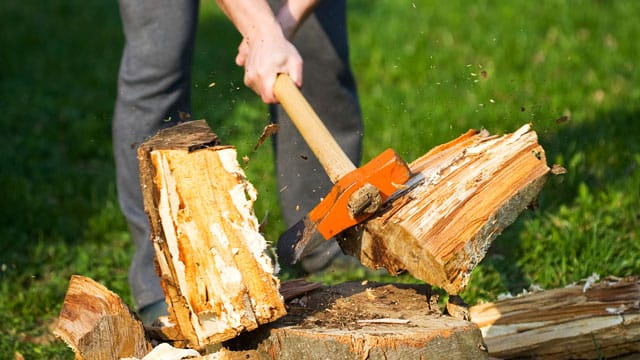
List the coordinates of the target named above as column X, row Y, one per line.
column 426, row 70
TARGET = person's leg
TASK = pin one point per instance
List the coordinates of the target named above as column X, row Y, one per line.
column 153, row 89
column 330, row 88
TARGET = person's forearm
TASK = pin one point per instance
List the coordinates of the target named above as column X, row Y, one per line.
column 253, row 19
column 293, row 13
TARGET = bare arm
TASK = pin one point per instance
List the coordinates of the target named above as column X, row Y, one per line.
column 292, row 14
column 251, row 18
column 267, row 50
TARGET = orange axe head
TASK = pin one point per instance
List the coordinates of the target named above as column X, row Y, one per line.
column 354, row 197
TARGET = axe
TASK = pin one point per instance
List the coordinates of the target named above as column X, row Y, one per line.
column 357, row 192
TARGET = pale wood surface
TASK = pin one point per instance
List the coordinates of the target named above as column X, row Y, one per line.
column 582, row 321
column 217, row 276
column 462, row 195
column 97, row 324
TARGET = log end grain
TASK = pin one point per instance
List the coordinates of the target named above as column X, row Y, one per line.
column 97, row 324
column 364, row 321
column 462, row 196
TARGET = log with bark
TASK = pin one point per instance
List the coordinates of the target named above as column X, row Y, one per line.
column 354, row 320
column 98, row 325
column 463, row 194
column 582, row 321
column 215, row 271
column 358, row 320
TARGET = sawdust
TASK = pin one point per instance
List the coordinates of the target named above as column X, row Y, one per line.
column 343, row 306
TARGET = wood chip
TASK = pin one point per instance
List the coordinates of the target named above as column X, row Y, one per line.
column 266, row 132
column 558, row 170
column 294, row 288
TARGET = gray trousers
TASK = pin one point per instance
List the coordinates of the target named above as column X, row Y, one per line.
column 154, row 87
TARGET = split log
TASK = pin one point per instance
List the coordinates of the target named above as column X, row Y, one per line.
column 585, row 321
column 97, row 324
column 357, row 320
column 462, row 195
column 212, row 260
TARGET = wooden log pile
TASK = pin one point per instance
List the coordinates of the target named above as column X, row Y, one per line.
column 360, row 320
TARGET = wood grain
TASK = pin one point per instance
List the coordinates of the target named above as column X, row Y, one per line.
column 462, row 195
column 97, row 324
column 581, row 321
column 212, row 259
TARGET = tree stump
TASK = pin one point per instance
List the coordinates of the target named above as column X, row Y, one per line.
column 462, row 195
column 357, row 320
column 98, row 325
column 212, row 260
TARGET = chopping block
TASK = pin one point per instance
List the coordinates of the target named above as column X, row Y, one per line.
column 357, row 320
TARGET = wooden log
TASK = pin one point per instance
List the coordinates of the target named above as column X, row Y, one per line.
column 212, row 260
column 358, row 320
column 355, row 320
column 97, row 324
column 462, row 195
column 583, row 321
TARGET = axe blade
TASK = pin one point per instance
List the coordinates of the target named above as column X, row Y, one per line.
column 291, row 246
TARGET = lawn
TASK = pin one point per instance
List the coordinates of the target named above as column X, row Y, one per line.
column 427, row 71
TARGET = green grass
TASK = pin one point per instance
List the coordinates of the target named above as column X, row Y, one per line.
column 427, row 71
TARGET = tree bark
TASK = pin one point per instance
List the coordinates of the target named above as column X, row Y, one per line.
column 97, row 324
column 212, row 260
column 583, row 321
column 461, row 196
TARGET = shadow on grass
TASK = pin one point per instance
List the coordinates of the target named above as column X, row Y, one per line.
column 600, row 153
column 59, row 214
column 58, row 91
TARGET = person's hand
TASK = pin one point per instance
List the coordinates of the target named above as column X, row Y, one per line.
column 265, row 50
column 263, row 59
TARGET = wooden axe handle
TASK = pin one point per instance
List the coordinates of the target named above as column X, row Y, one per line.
column 332, row 158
